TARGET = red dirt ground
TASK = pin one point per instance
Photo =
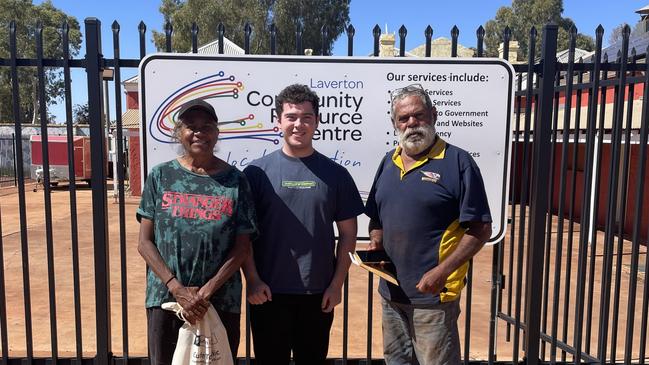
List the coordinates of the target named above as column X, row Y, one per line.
column 65, row 316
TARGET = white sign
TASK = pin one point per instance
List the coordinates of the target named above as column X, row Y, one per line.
column 473, row 98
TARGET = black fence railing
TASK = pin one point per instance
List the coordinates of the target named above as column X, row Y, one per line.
column 578, row 229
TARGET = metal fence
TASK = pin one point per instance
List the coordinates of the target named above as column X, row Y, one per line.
column 564, row 173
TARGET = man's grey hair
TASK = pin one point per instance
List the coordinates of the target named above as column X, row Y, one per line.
column 410, row 90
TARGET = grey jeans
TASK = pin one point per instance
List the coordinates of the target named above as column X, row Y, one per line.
column 421, row 334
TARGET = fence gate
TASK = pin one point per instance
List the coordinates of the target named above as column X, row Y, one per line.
column 565, row 284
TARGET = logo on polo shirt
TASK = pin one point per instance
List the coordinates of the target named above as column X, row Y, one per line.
column 298, row 184
column 430, row 176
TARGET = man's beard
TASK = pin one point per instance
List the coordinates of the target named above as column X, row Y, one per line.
column 416, row 140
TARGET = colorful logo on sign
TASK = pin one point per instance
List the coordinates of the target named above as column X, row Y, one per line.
column 210, row 88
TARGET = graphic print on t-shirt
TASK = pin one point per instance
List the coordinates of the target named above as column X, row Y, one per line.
column 195, row 206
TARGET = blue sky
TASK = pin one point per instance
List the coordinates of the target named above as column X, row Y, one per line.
column 364, row 14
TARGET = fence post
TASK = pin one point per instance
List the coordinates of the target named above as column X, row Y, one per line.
column 539, row 196
column 403, row 32
column 247, row 30
column 13, row 148
column 273, row 39
column 99, row 194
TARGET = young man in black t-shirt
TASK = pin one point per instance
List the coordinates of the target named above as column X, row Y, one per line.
column 295, row 276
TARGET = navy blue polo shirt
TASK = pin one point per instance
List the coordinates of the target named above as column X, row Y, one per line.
column 424, row 213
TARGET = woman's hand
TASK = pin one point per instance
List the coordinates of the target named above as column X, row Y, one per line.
column 193, row 304
column 258, row 292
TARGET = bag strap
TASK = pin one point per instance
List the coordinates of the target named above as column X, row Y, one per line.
column 180, row 315
column 176, row 308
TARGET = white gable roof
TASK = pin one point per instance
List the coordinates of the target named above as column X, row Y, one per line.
column 211, row 48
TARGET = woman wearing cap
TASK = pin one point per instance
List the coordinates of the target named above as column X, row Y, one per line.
column 196, row 221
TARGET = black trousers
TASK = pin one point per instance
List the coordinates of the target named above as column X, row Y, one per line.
column 291, row 323
column 162, row 330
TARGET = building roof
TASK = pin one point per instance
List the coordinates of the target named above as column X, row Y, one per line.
column 564, row 56
column 211, row 48
column 643, row 10
column 640, row 42
column 229, row 47
column 131, row 119
column 581, row 56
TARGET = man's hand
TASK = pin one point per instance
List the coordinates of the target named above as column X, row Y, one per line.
column 474, row 238
column 193, row 304
column 432, row 281
column 331, row 298
column 258, row 292
column 375, row 246
column 376, row 236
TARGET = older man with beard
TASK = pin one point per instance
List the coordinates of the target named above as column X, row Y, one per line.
column 428, row 210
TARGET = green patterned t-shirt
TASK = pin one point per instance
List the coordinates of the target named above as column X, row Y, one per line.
column 196, row 219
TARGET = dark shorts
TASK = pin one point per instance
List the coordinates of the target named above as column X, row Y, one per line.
column 162, row 330
column 290, row 323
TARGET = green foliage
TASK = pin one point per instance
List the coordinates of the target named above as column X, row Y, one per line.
column 285, row 14
column 26, row 15
column 312, row 15
column 521, row 16
column 81, row 114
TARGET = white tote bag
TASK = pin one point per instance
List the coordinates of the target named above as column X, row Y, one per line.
column 205, row 343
